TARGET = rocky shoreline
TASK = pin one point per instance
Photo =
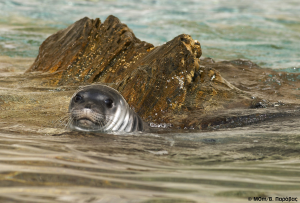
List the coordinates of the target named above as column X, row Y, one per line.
column 167, row 84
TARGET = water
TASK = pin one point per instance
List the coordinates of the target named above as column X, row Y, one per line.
column 266, row 32
column 41, row 163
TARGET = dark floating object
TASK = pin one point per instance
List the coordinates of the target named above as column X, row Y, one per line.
column 167, row 84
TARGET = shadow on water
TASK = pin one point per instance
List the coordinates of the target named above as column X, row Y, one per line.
column 241, row 155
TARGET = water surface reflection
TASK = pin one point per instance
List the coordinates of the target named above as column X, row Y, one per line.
column 41, row 163
column 75, row 167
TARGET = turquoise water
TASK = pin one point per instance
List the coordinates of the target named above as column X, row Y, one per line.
column 266, row 32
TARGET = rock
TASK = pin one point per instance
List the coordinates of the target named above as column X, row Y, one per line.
column 89, row 51
column 167, row 84
column 174, row 88
column 260, row 82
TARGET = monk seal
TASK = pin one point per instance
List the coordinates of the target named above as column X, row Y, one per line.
column 99, row 108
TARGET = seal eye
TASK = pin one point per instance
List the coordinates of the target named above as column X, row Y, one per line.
column 77, row 98
column 108, row 103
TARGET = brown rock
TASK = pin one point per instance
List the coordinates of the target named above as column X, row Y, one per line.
column 172, row 86
column 164, row 84
column 89, row 51
column 260, row 82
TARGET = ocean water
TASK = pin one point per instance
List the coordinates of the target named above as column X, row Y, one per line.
column 42, row 163
column 264, row 31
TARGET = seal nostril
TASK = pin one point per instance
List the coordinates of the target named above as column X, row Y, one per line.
column 88, row 106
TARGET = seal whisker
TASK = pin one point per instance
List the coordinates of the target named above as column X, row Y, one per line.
column 62, row 122
column 70, row 121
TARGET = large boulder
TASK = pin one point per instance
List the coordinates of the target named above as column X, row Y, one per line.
column 165, row 85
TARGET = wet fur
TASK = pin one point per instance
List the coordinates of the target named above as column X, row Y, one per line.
column 99, row 121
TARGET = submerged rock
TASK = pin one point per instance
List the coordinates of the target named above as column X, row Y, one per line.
column 277, row 86
column 167, row 84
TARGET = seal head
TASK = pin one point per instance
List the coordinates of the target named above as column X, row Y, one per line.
column 100, row 108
